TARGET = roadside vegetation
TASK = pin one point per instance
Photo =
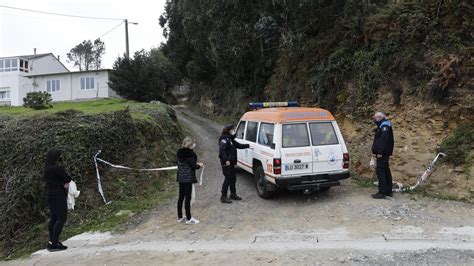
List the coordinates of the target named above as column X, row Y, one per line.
column 136, row 134
column 333, row 54
column 459, row 145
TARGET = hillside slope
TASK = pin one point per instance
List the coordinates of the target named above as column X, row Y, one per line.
column 411, row 59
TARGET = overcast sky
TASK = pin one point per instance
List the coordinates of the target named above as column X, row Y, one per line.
column 22, row 31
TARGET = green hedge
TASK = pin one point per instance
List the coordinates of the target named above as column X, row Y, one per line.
column 26, row 140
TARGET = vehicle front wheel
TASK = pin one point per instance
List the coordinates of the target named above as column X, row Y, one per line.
column 262, row 183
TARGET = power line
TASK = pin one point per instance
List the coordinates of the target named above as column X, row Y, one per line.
column 111, row 30
column 58, row 14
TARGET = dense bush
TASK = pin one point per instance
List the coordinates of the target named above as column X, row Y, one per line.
column 37, row 100
column 334, row 54
column 24, row 144
column 459, row 145
column 146, row 77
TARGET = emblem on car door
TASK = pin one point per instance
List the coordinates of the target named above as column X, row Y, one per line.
column 332, row 159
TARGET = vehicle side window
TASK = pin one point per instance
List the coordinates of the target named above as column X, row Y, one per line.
column 240, row 130
column 251, row 134
column 323, row 134
column 295, row 135
column 265, row 135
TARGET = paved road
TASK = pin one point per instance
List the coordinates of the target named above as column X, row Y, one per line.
column 344, row 225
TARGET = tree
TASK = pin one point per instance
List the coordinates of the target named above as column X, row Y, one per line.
column 145, row 77
column 87, row 55
column 98, row 50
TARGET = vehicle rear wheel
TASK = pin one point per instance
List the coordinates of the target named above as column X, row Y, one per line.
column 324, row 189
column 262, row 183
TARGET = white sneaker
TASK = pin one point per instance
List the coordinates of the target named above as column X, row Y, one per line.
column 192, row 221
column 180, row 220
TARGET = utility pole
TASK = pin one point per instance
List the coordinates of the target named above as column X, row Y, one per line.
column 127, row 50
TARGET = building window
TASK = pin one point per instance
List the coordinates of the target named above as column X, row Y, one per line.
column 53, row 85
column 4, row 94
column 24, row 65
column 8, row 65
column 87, row 83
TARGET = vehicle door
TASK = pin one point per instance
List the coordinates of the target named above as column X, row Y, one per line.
column 240, row 138
column 266, row 146
column 251, row 139
column 296, row 152
column 326, row 147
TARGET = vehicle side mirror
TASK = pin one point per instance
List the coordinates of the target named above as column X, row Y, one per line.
column 273, row 146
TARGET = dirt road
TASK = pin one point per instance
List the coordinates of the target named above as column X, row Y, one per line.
column 344, row 225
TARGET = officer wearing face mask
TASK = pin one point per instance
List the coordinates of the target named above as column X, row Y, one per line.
column 382, row 149
column 228, row 157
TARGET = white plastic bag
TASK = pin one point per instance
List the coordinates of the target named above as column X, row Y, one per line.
column 72, row 194
column 372, row 162
column 193, row 195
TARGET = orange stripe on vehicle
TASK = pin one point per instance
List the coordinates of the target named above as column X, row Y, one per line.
column 288, row 114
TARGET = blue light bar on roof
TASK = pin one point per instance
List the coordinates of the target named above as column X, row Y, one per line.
column 259, row 105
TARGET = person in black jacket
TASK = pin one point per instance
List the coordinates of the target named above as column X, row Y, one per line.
column 382, row 149
column 228, row 157
column 57, row 183
column 187, row 163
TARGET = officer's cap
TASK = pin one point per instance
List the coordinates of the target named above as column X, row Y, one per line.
column 229, row 126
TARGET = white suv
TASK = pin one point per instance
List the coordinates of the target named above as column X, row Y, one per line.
column 293, row 147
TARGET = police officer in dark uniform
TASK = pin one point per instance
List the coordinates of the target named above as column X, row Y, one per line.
column 228, row 157
column 382, row 149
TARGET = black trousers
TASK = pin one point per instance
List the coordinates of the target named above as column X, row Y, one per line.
column 384, row 175
column 229, row 180
column 185, row 192
column 58, row 215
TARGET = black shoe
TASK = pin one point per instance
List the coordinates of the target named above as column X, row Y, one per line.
column 49, row 246
column 56, row 247
column 61, row 246
column 235, row 197
column 225, row 200
column 390, row 194
column 378, row 195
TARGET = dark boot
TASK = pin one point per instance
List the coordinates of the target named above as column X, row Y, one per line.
column 225, row 200
column 56, row 247
column 378, row 195
column 235, row 197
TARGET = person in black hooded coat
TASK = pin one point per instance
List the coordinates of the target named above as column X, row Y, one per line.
column 57, row 183
column 187, row 163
